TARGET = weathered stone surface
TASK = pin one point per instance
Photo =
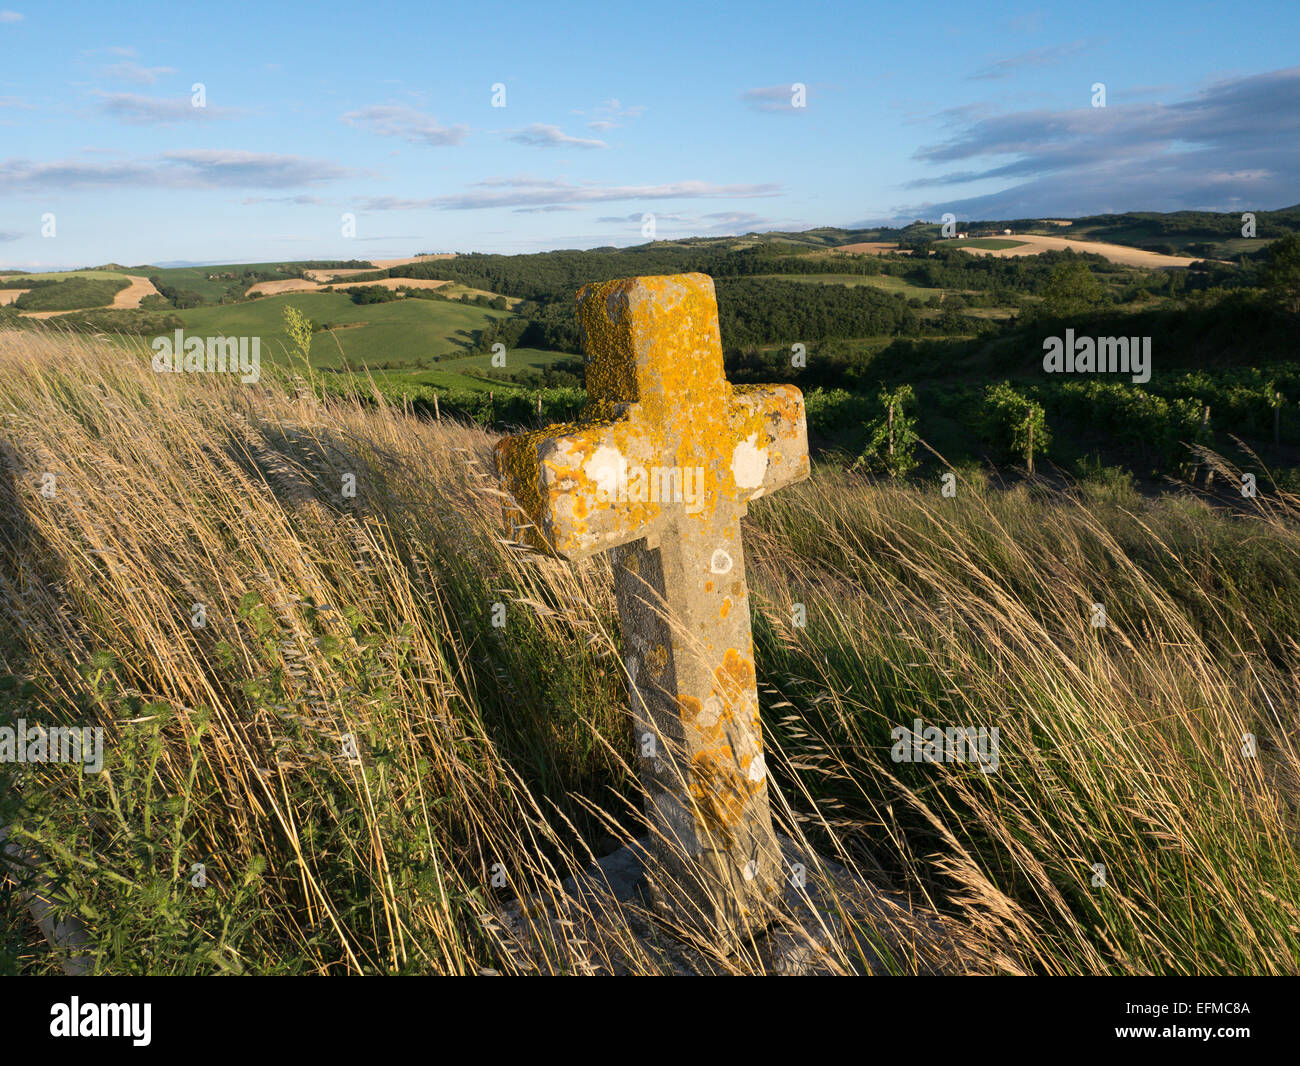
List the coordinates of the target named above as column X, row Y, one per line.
column 659, row 471
column 67, row 937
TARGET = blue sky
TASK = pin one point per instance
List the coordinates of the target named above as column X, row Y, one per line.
column 384, row 112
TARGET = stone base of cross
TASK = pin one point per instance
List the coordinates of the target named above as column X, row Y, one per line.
column 658, row 471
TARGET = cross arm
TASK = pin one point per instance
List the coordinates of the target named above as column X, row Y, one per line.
column 771, row 430
column 566, row 479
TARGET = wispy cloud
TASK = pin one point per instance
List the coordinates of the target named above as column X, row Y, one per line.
column 541, row 136
column 184, row 169
column 395, row 203
column 772, row 98
column 397, row 120
column 303, row 199
column 1039, row 57
column 224, row 167
column 10, row 16
column 534, row 192
column 549, row 209
column 537, row 196
column 721, row 223
column 5, row 235
column 137, row 110
column 610, row 115
column 130, row 71
column 1236, row 143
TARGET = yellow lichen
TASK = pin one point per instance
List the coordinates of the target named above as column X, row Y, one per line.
column 656, row 390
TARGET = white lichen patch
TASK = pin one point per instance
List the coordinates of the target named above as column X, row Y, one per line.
column 709, row 713
column 721, row 562
column 749, row 463
column 603, row 470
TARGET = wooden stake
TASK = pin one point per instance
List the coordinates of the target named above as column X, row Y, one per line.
column 1205, row 423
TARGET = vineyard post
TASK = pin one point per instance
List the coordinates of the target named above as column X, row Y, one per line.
column 1205, row 423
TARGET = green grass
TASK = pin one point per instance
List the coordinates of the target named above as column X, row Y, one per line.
column 195, row 279
column 371, row 618
column 516, row 359
column 991, row 243
column 394, row 383
column 885, row 282
column 468, row 372
column 403, row 331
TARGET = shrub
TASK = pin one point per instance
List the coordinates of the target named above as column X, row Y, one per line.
column 372, row 294
column 72, row 294
column 1013, row 424
column 891, row 437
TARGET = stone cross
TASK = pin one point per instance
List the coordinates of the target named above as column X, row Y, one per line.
column 658, row 470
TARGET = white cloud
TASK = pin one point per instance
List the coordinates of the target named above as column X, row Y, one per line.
column 314, row 201
column 137, row 110
column 1234, row 144
column 772, row 98
column 528, row 195
column 133, row 72
column 541, row 136
column 396, row 120
column 1039, row 57
column 394, row 203
column 535, row 192
column 10, row 16
column 610, row 115
column 718, row 223
column 189, row 169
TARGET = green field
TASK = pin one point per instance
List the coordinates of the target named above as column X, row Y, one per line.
column 516, row 359
column 398, row 332
column 468, row 372
column 64, row 275
column 887, row 282
column 993, row 244
column 196, row 279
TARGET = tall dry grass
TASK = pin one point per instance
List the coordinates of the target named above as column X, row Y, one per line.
column 336, row 624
